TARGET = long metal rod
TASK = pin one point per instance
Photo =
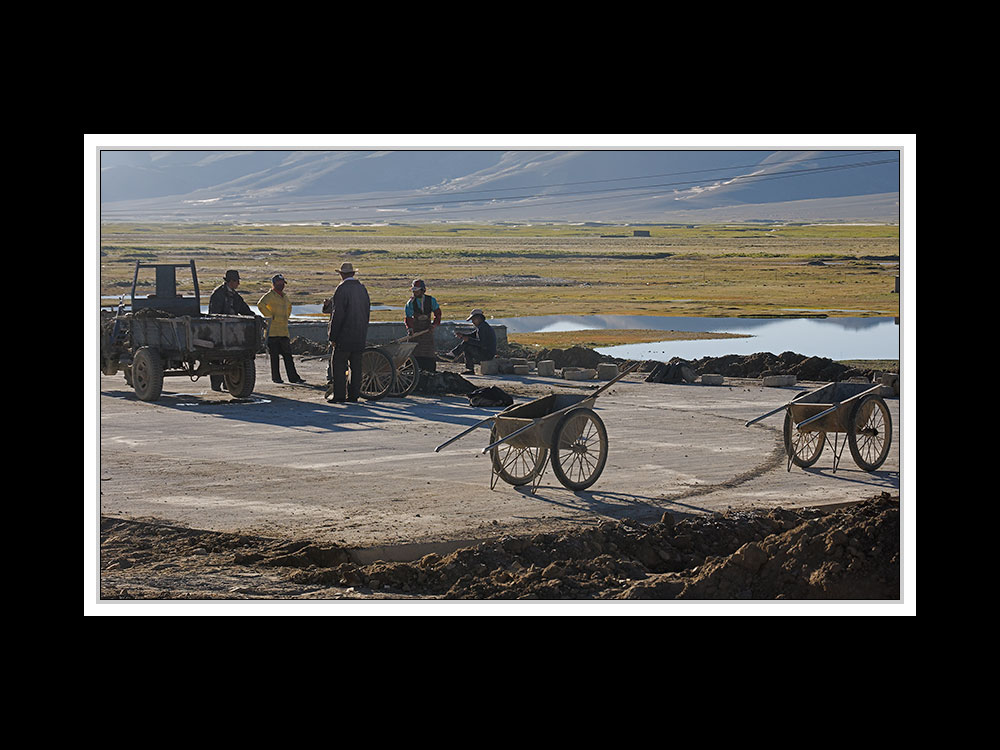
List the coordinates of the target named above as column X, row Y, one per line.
column 464, row 433
column 785, row 406
column 823, row 413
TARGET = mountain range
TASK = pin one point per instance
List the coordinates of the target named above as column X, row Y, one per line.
column 417, row 185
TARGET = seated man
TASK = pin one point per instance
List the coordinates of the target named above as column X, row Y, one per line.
column 477, row 346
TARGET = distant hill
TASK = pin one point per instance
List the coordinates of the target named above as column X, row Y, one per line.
column 407, row 186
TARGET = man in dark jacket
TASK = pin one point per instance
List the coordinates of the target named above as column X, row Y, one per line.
column 477, row 346
column 348, row 333
column 225, row 300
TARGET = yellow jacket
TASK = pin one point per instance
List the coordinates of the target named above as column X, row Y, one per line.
column 277, row 307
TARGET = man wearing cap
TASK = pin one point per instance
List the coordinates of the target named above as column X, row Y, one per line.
column 348, row 332
column 478, row 346
column 423, row 313
column 225, row 300
column 277, row 306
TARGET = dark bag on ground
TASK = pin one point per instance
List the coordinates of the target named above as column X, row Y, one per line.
column 490, row 396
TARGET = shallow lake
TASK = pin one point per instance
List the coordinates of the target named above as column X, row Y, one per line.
column 835, row 338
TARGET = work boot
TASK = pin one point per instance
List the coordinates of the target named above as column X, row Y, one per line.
column 277, row 380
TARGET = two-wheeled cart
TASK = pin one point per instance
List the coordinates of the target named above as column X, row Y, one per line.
column 390, row 369
column 563, row 426
column 855, row 409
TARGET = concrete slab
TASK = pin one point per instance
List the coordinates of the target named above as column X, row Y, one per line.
column 287, row 464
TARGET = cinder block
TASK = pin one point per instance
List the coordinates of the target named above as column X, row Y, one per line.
column 778, row 381
column 489, row 367
column 547, row 368
column 607, row 370
column 712, row 379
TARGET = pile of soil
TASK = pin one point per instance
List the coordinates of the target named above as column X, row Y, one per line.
column 308, row 347
column 443, row 383
column 763, row 364
column 846, row 554
column 575, row 356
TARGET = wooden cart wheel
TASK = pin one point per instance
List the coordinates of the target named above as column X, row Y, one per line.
column 241, row 377
column 377, row 374
column 147, row 374
column 579, row 448
column 407, row 377
column 802, row 448
column 514, row 465
column 870, row 432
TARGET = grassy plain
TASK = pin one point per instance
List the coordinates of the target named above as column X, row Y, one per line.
column 513, row 270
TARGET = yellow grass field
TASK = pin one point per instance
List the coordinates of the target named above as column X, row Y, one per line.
column 709, row 271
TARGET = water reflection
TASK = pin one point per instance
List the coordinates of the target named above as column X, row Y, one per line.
column 835, row 338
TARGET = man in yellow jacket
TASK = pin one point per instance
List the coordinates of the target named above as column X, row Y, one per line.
column 277, row 306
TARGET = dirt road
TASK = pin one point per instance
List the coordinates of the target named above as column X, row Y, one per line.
column 285, row 473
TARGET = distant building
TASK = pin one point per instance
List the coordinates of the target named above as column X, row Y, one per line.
column 640, row 233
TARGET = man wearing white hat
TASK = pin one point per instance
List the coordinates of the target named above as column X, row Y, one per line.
column 348, row 332
column 478, row 346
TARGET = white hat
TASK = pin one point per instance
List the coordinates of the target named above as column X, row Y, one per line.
column 476, row 312
column 346, row 268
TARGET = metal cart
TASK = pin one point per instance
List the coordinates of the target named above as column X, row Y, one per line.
column 563, row 426
column 855, row 409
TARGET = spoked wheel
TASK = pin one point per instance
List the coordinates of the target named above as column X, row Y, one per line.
column 803, row 448
column 516, row 465
column 407, row 377
column 241, row 377
column 870, row 433
column 579, row 448
column 147, row 374
column 377, row 374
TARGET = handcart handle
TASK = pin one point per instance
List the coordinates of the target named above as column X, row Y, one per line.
column 836, row 406
column 463, row 434
column 785, row 406
column 410, row 336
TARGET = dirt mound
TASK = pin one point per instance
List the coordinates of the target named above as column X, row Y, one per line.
column 443, row 383
column 302, row 345
column 575, row 356
column 851, row 553
column 762, row 364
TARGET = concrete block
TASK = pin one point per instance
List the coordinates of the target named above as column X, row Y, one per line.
column 547, row 368
column 607, row 371
column 489, row 367
column 712, row 379
column 579, row 373
column 505, row 365
column 522, row 369
column 778, row 381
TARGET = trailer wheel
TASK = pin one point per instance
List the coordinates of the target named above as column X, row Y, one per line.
column 147, row 374
column 241, row 377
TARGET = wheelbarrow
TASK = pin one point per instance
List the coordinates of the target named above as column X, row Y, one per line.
column 853, row 409
column 564, row 427
column 390, row 369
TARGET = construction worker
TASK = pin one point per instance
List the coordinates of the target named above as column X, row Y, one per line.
column 225, row 300
column 423, row 313
column 277, row 306
column 478, row 345
column 348, row 331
